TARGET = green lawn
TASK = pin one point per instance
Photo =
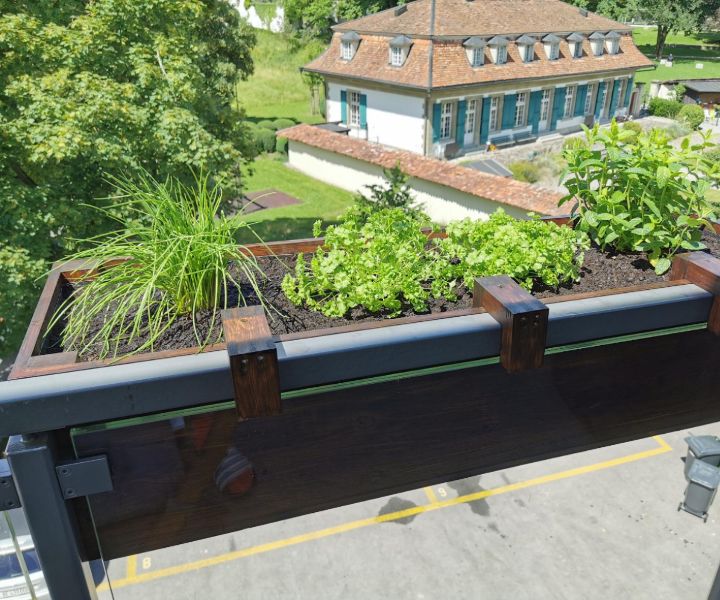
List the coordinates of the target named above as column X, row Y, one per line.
column 319, row 201
column 276, row 89
column 687, row 51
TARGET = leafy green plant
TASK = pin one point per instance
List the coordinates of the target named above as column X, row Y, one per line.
column 660, row 107
column 573, row 142
column 178, row 246
column 394, row 193
column 526, row 250
column 692, row 115
column 646, row 196
column 524, row 170
column 635, row 128
column 380, row 264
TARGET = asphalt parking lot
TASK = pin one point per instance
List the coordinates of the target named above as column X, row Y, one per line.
column 600, row 524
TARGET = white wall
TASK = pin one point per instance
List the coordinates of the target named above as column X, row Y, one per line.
column 442, row 203
column 394, row 120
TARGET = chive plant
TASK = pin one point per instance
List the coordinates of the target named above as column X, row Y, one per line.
column 178, row 244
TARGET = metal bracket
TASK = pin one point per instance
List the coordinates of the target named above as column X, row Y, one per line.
column 9, row 498
column 84, row 477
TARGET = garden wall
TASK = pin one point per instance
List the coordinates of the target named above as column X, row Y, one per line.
column 446, row 191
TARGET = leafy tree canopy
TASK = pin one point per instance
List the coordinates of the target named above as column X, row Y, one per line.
column 106, row 87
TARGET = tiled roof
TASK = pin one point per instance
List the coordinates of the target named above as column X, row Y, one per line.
column 491, row 187
column 451, row 66
column 482, row 17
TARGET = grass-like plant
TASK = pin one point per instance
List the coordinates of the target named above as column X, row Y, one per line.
column 178, row 244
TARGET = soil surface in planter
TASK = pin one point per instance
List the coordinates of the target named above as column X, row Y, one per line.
column 600, row 271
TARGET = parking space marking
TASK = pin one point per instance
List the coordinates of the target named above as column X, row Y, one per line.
column 131, row 566
column 661, row 448
column 430, row 493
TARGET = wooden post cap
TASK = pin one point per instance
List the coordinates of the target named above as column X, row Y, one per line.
column 253, row 362
column 703, row 270
column 523, row 319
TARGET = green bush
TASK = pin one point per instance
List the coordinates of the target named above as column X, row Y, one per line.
column 265, row 140
column 267, row 124
column 675, row 130
column 573, row 142
column 660, row 107
column 524, row 170
column 635, row 128
column 282, row 145
column 283, row 124
column 646, row 196
column 692, row 115
column 394, row 193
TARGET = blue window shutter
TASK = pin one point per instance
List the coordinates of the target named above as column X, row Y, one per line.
column 460, row 126
column 599, row 99
column 508, row 116
column 558, row 108
column 534, row 112
column 363, row 111
column 485, row 121
column 343, row 106
column 580, row 100
column 436, row 121
column 614, row 99
column 628, row 91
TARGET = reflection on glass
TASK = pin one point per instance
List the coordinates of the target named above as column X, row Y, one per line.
column 20, row 575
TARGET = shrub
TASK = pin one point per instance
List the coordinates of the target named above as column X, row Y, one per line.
column 395, row 193
column 633, row 127
column 282, row 145
column 279, row 124
column 180, row 246
column 380, row 264
column 643, row 197
column 661, row 107
column 265, row 140
column 524, row 170
column 692, row 115
column 267, row 124
column 675, row 130
column 527, row 250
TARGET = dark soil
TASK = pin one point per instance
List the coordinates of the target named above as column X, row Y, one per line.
column 600, row 271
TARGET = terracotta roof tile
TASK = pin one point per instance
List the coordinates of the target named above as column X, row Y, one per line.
column 483, row 185
column 483, row 17
column 451, row 67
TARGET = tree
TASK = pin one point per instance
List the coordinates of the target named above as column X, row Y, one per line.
column 315, row 17
column 89, row 89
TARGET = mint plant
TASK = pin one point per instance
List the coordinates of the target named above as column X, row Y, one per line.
column 528, row 251
column 641, row 194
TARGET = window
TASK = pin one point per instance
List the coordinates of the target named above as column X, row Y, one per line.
column 554, row 51
column 528, row 53
column 589, row 98
column 621, row 92
column 446, row 119
column 478, row 57
column 520, row 101
column 396, row 56
column 569, row 102
column 494, row 112
column 577, row 50
column 470, row 116
column 545, row 105
column 354, row 109
column 602, row 97
column 348, row 50
column 613, row 46
column 501, row 55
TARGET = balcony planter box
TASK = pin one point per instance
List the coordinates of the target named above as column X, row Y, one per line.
column 204, row 443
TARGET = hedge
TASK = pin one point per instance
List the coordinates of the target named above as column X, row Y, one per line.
column 660, row 107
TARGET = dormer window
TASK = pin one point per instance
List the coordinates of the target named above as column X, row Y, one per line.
column 575, row 41
column 551, row 44
column 526, row 45
column 348, row 45
column 399, row 50
column 612, row 42
column 475, row 51
column 597, row 41
column 498, row 49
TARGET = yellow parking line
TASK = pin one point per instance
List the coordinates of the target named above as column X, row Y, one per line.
column 430, row 493
column 661, row 448
column 131, row 566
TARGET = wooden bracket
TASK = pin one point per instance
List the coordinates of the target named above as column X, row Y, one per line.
column 253, row 362
column 523, row 319
column 703, row 270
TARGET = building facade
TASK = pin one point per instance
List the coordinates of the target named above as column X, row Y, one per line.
column 446, row 77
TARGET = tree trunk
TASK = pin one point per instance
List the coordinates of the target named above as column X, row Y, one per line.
column 662, row 34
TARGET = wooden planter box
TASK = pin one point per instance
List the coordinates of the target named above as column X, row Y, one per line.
column 330, row 417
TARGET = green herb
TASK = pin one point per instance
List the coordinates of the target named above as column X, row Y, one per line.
column 178, row 246
column 638, row 193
